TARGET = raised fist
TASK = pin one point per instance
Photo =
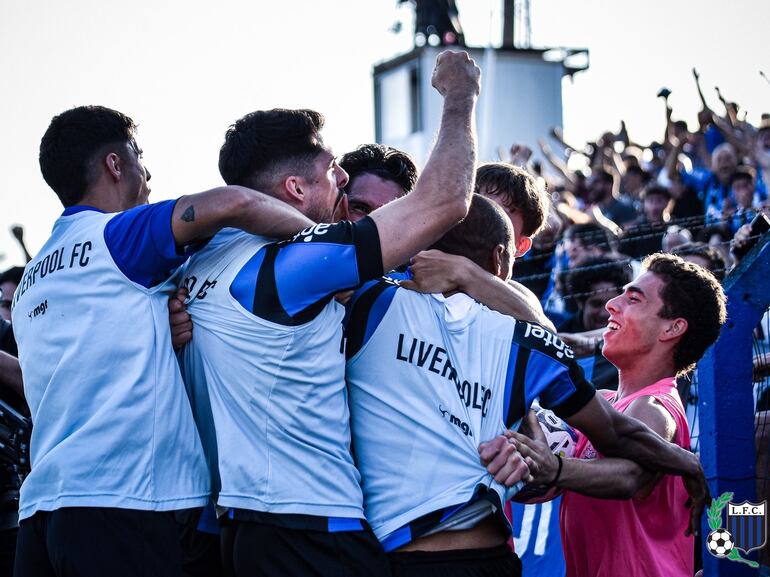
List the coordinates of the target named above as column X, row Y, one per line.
column 456, row 74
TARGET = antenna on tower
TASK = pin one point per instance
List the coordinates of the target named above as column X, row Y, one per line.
column 517, row 27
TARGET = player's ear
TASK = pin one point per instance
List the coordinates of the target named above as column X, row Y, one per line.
column 523, row 244
column 113, row 165
column 675, row 329
column 498, row 255
column 293, row 189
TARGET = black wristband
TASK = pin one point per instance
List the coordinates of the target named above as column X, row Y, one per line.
column 558, row 472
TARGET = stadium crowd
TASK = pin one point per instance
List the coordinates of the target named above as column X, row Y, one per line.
column 284, row 446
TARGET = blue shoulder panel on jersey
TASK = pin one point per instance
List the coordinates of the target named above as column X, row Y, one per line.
column 243, row 286
column 297, row 278
column 354, row 299
column 142, row 244
column 548, row 380
column 546, row 368
column 308, row 272
column 378, row 310
column 509, row 374
column 366, row 312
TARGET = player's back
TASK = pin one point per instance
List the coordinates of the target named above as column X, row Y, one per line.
column 429, row 378
column 115, row 428
column 268, row 393
column 426, row 378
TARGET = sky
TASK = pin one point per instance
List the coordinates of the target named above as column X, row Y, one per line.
column 186, row 69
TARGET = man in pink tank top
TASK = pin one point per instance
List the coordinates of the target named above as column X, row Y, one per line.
column 616, row 517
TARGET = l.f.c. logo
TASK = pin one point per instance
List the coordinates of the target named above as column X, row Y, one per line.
column 747, row 523
column 746, row 529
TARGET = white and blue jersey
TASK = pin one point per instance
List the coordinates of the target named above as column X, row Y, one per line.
column 266, row 372
column 429, row 378
column 112, row 423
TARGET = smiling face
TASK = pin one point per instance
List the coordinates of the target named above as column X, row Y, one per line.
column 635, row 326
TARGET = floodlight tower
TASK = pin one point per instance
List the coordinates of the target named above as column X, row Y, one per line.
column 521, row 87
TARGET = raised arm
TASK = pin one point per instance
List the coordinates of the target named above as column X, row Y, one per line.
column 672, row 158
column 200, row 216
column 558, row 164
column 442, row 194
column 703, row 102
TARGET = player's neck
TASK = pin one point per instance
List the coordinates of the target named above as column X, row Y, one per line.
column 105, row 199
column 642, row 374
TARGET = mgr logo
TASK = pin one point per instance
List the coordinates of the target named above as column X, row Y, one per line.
column 746, row 529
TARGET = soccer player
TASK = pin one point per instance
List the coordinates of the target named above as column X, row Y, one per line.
column 658, row 328
column 266, row 368
column 520, row 197
column 450, row 372
column 114, row 448
column 378, row 174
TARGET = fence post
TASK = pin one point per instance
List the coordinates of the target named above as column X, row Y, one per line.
column 726, row 398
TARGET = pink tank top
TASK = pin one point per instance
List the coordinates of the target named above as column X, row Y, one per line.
column 635, row 537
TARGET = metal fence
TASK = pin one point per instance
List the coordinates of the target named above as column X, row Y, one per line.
column 732, row 401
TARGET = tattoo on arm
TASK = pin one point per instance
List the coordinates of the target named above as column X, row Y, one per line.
column 189, row 214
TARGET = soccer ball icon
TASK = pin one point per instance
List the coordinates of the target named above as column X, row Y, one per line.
column 719, row 543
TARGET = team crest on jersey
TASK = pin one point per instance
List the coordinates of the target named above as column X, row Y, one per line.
column 746, row 529
column 543, row 339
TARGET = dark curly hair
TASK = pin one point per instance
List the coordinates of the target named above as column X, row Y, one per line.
column 694, row 294
column 73, row 143
column 384, row 161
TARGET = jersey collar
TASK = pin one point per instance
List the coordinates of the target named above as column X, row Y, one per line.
column 70, row 210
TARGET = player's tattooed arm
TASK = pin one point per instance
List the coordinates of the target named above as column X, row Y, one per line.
column 189, row 214
column 200, row 216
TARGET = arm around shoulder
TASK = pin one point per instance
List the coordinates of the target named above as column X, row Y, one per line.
column 200, row 216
